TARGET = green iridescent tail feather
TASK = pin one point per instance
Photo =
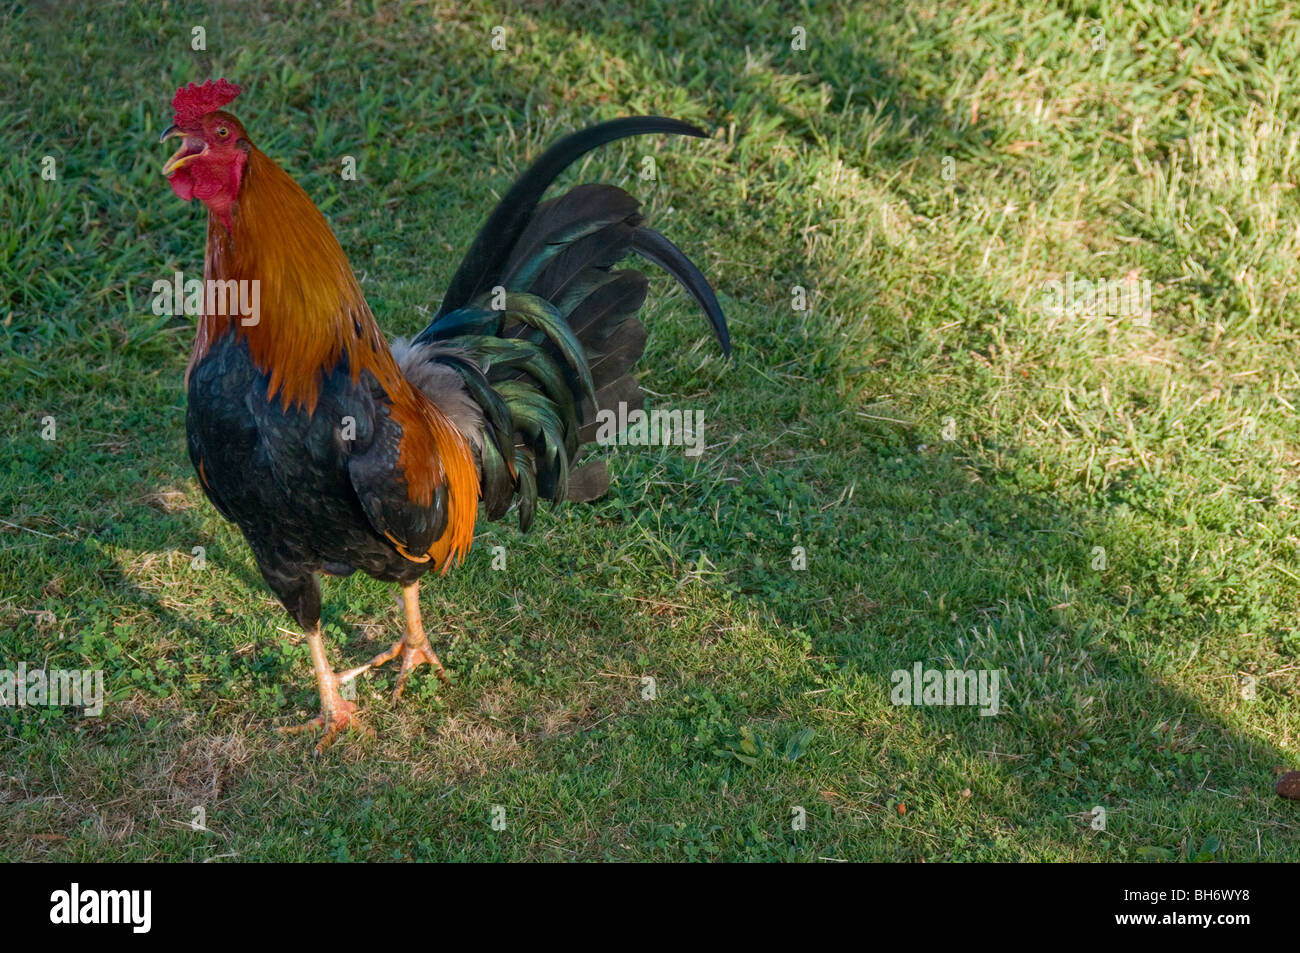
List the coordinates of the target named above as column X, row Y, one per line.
column 542, row 331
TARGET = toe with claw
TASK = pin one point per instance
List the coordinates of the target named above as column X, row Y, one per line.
column 334, row 722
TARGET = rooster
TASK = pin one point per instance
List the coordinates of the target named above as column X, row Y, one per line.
column 334, row 451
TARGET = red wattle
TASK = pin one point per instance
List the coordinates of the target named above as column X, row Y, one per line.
column 182, row 184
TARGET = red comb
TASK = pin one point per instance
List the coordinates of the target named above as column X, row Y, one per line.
column 194, row 101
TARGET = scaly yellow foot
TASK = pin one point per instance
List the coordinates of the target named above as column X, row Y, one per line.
column 413, row 656
column 342, row 717
column 336, row 712
column 414, row 647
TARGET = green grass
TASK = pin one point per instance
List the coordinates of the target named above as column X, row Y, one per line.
column 922, row 173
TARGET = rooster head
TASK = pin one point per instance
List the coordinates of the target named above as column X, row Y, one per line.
column 214, row 147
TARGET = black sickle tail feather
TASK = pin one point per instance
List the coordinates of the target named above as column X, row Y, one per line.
column 657, row 249
column 499, row 233
column 564, row 341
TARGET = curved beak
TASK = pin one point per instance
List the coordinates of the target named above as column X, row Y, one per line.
column 191, row 148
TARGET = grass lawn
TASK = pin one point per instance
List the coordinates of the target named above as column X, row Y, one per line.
column 985, row 467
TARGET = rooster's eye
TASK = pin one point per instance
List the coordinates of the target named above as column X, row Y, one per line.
column 222, row 131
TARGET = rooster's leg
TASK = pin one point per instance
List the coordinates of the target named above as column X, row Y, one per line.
column 414, row 646
column 416, row 650
column 336, row 712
